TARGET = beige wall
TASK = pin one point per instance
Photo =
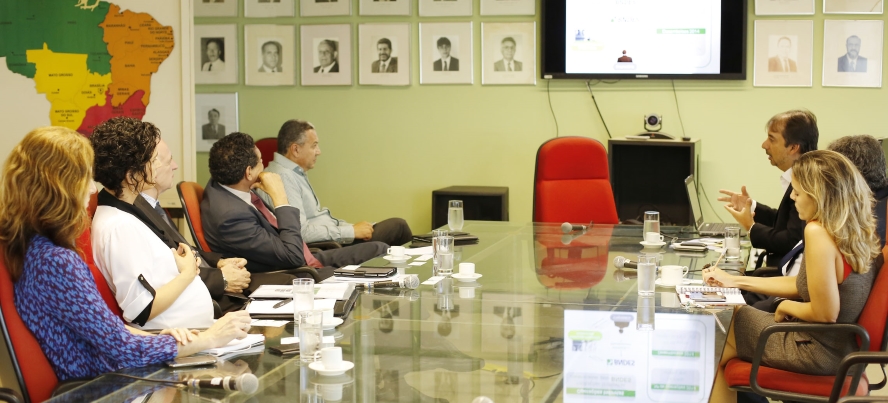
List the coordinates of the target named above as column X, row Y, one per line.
column 386, row 148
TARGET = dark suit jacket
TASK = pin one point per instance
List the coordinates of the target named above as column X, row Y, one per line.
column 439, row 65
column 391, row 68
column 210, row 134
column 334, row 69
column 777, row 231
column 774, row 65
column 881, row 213
column 844, row 65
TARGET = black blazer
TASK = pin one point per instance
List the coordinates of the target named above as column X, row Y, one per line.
column 234, row 228
column 777, row 231
column 439, row 65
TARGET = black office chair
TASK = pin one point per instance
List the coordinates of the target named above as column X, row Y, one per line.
column 10, row 396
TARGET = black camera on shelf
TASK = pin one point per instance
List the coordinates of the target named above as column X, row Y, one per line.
column 653, row 122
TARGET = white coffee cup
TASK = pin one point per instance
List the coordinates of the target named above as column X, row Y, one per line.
column 672, row 274
column 652, row 237
column 669, row 300
column 467, row 292
column 331, row 357
column 467, row 269
column 396, row 251
column 328, row 316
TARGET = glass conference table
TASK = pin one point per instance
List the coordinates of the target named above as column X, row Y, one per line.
column 551, row 319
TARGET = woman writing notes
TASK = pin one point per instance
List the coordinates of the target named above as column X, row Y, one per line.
column 832, row 285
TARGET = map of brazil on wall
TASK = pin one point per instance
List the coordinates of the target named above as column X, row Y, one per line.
column 92, row 60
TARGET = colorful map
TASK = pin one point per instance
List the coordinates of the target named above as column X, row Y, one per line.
column 92, row 60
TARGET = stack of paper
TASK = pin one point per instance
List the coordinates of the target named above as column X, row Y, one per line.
column 266, row 306
column 252, row 340
column 322, row 291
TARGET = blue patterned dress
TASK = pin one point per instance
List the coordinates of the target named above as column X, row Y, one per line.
column 57, row 299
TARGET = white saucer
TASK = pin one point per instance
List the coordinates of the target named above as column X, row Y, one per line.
column 659, row 283
column 335, row 322
column 652, row 244
column 465, row 278
column 401, row 259
column 319, row 367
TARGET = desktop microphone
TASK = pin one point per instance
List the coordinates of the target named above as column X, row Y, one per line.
column 247, row 383
column 568, row 228
column 410, row 281
column 624, row 263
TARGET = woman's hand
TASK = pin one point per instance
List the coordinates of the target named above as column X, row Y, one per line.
column 715, row 277
column 182, row 336
column 780, row 314
column 185, row 260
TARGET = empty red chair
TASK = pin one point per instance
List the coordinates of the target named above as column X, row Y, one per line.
column 267, row 147
column 191, row 194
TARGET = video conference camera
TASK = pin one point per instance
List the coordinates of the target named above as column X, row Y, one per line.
column 652, row 125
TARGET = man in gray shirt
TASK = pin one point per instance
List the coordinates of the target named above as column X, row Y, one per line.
column 298, row 150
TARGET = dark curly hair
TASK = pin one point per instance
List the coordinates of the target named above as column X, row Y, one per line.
column 123, row 146
column 230, row 157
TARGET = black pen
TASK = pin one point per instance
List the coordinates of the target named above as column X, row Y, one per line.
column 282, row 303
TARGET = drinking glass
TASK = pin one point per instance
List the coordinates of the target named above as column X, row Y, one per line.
column 732, row 243
column 311, row 333
column 651, row 224
column 444, row 251
column 645, row 315
column 435, row 234
column 303, row 296
column 647, row 274
column 455, row 215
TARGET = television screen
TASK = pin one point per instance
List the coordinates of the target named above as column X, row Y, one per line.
column 668, row 39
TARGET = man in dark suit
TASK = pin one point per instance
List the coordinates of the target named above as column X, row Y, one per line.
column 781, row 63
column 446, row 62
column 213, row 130
column 867, row 155
column 386, row 63
column 852, row 61
column 238, row 223
column 328, row 57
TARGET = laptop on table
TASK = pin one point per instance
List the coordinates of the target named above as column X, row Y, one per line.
column 713, row 229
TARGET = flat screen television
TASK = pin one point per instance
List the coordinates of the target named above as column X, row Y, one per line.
column 644, row 39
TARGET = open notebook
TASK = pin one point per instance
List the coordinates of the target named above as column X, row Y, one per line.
column 711, row 296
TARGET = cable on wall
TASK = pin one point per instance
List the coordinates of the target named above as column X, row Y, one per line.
column 589, row 86
column 555, row 118
column 675, row 95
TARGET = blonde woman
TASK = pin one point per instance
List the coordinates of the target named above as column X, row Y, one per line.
column 44, row 190
column 833, row 283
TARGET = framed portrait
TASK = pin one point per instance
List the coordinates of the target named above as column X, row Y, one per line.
column 384, row 54
column 508, row 53
column 326, row 54
column 508, row 7
column 215, row 117
column 852, row 53
column 853, row 6
column 317, row 8
column 269, row 8
column 784, row 7
column 784, row 53
column 215, row 54
column 270, row 54
column 445, row 53
column 385, row 7
column 445, row 8
column 215, row 8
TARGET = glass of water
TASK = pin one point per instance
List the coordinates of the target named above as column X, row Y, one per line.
column 455, row 215
column 444, row 252
column 311, row 333
column 303, row 296
column 645, row 314
column 435, row 234
column 732, row 243
column 651, row 226
column 647, row 274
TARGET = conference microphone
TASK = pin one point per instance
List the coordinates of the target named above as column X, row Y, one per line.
column 568, row 228
column 624, row 263
column 247, row 383
column 410, row 281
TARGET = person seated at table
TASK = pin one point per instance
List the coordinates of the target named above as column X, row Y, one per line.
column 54, row 293
column 833, row 283
column 867, row 155
column 237, row 222
column 155, row 289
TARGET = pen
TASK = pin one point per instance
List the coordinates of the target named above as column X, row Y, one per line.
column 282, row 303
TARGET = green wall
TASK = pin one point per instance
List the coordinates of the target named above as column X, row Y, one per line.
column 384, row 149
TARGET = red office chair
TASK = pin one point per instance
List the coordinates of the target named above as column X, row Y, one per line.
column 784, row 385
column 267, row 147
column 85, row 246
column 571, row 183
column 191, row 194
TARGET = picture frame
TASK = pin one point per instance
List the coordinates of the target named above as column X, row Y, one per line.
column 853, row 7
column 269, row 8
column 215, row 115
column 318, row 8
column 261, row 42
column 446, row 8
column 215, row 8
column 852, row 53
column 385, row 7
column 784, row 7
column 326, row 54
column 215, row 54
column 784, row 53
column 446, row 53
column 498, row 41
column 508, row 7
column 381, row 47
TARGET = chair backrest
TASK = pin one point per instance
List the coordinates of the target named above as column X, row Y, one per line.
column 35, row 375
column 874, row 317
column 191, row 194
column 267, row 147
column 85, row 245
column 572, row 184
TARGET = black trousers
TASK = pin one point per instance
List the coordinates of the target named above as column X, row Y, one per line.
column 393, row 231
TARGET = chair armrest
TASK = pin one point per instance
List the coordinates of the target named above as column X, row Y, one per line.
column 767, row 271
column 860, row 357
column 304, row 269
column 324, row 245
column 11, row 396
column 801, row 327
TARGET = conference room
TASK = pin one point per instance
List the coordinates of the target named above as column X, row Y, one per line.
column 547, row 114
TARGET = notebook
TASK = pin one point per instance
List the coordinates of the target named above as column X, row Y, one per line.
column 712, row 296
column 342, row 302
column 459, row 238
column 705, row 228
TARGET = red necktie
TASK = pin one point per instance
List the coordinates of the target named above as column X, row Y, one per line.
column 310, row 260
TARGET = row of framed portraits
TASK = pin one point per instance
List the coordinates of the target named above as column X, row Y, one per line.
column 384, row 54
column 316, row 8
column 806, row 7
column 852, row 53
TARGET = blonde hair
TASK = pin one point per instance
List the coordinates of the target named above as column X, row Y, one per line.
column 844, row 204
column 45, row 180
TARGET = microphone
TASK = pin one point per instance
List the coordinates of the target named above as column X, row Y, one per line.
column 624, row 263
column 247, row 383
column 410, row 281
column 568, row 228
column 411, row 295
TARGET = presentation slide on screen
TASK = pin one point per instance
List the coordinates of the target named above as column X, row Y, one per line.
column 607, row 359
column 643, row 36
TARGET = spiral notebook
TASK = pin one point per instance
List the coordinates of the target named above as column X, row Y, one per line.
column 709, row 295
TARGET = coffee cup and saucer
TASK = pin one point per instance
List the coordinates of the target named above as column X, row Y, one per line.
column 653, row 240
column 466, row 273
column 671, row 276
column 331, row 363
column 396, row 254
